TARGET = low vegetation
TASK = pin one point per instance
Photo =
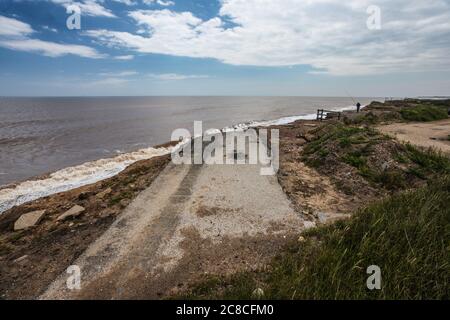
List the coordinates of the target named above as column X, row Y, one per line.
column 407, row 235
column 339, row 150
column 400, row 110
column 424, row 113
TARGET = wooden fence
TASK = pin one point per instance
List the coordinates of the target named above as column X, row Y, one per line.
column 327, row 114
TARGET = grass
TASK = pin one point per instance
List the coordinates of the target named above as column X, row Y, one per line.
column 424, row 113
column 422, row 163
column 356, row 147
column 407, row 235
column 427, row 161
column 370, row 118
column 344, row 136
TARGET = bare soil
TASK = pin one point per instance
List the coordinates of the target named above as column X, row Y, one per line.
column 310, row 191
column 44, row 251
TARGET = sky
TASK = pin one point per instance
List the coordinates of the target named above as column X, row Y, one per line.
column 373, row 48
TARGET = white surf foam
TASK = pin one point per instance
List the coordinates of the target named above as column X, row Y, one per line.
column 281, row 121
column 73, row 177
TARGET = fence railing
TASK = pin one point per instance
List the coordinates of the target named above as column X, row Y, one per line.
column 328, row 114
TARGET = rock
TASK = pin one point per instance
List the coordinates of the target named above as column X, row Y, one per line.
column 301, row 239
column 322, row 217
column 75, row 211
column 83, row 196
column 258, row 293
column 20, row 259
column 328, row 218
column 104, row 193
column 28, row 220
column 309, row 224
column 337, row 217
column 125, row 202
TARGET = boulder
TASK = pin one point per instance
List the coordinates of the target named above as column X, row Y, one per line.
column 28, row 220
column 329, row 218
column 75, row 211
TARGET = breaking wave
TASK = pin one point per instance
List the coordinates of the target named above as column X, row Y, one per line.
column 73, row 177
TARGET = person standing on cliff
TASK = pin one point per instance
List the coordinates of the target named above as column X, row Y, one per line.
column 358, row 107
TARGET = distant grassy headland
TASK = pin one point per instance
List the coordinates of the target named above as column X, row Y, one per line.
column 402, row 110
column 398, row 194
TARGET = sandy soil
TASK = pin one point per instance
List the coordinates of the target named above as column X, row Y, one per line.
column 434, row 134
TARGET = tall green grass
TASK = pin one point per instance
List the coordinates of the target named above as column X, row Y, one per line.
column 407, row 235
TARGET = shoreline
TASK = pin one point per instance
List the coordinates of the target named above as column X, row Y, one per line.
column 70, row 178
column 320, row 186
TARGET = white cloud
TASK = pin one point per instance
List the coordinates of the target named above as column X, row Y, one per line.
column 50, row 49
column 127, row 2
column 116, row 78
column 174, row 76
column 13, row 27
column 88, row 7
column 125, row 57
column 14, row 35
column 108, row 82
column 164, row 3
column 120, row 74
column 329, row 35
column 50, row 29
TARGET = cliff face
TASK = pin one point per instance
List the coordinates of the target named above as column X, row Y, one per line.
column 31, row 258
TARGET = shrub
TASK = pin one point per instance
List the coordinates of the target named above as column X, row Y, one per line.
column 424, row 113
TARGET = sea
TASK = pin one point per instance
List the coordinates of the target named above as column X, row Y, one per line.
column 54, row 144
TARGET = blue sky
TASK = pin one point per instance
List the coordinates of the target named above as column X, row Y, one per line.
column 225, row 47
